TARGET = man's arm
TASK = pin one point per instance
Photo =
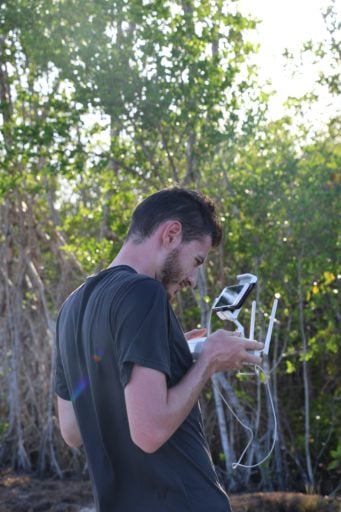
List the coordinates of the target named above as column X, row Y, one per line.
column 155, row 412
column 68, row 423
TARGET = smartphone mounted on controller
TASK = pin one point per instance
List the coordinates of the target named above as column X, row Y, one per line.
column 227, row 306
column 233, row 297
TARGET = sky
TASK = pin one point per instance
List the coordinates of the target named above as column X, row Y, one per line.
column 287, row 24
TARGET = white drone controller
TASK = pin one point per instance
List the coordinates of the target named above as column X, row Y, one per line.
column 228, row 305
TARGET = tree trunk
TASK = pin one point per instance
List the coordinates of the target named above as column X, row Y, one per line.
column 310, row 483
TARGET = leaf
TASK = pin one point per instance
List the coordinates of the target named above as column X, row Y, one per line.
column 290, row 367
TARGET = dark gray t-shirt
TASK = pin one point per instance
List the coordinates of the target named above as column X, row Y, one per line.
column 114, row 320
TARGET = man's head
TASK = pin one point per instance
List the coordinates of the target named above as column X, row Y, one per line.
column 195, row 212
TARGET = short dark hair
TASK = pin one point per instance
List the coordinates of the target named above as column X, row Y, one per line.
column 195, row 211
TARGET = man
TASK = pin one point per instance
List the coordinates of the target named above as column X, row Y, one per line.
column 126, row 383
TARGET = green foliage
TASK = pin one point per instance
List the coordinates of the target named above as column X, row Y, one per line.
column 336, row 457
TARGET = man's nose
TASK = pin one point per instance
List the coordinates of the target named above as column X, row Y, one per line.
column 193, row 278
column 190, row 281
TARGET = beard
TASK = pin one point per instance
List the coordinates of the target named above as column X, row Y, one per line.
column 171, row 272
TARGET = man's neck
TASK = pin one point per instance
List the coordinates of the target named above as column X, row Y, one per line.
column 140, row 257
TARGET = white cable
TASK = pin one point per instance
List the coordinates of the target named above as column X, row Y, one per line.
column 237, row 464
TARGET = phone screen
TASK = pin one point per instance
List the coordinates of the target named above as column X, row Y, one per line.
column 229, row 295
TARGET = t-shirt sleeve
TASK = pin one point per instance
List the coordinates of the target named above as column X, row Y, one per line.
column 60, row 384
column 141, row 326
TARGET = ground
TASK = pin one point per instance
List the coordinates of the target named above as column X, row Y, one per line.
column 22, row 493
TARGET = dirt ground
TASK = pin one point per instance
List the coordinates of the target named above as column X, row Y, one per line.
column 21, row 493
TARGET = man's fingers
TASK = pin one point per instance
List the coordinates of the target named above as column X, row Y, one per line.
column 253, row 345
column 195, row 333
column 252, row 359
column 233, row 333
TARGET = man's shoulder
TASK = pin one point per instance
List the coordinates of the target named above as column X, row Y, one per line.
column 136, row 296
column 126, row 275
column 140, row 286
column 116, row 285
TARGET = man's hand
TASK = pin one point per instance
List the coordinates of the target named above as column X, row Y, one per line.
column 195, row 333
column 226, row 351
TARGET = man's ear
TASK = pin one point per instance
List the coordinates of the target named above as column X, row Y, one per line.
column 172, row 234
